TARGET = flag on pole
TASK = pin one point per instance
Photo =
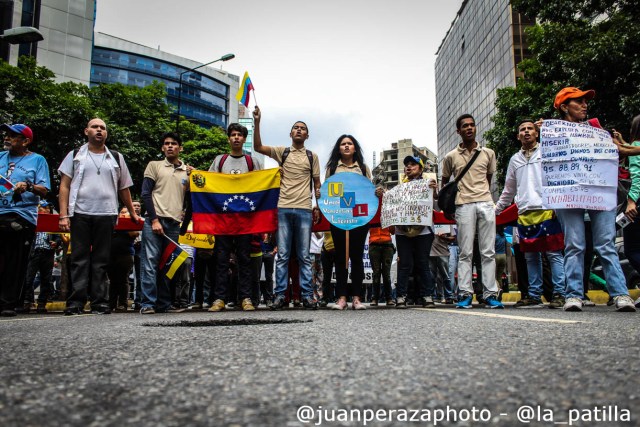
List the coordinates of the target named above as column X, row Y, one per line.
column 227, row 204
column 243, row 91
column 5, row 183
column 172, row 258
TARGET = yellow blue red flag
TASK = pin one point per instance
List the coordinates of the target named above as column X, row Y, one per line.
column 226, row 204
column 243, row 90
column 172, row 258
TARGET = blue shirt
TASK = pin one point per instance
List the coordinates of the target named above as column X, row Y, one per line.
column 32, row 168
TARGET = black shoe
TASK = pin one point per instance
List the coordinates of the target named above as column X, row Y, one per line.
column 70, row 311
column 42, row 308
column 309, row 304
column 323, row 303
column 8, row 313
column 278, row 302
column 100, row 310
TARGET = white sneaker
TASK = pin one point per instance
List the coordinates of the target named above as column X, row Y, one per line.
column 588, row 303
column 637, row 303
column 624, row 303
column 573, row 304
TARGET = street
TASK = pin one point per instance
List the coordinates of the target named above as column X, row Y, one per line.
column 380, row 366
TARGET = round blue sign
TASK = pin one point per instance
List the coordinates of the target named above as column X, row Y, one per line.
column 348, row 200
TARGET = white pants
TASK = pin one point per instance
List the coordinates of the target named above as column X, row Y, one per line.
column 477, row 217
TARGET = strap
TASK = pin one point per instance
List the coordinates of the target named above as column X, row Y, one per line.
column 222, row 160
column 468, row 166
column 249, row 162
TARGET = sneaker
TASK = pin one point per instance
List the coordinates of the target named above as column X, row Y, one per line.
column 341, row 304
column 572, row 304
column 374, row 303
column 323, row 303
column 492, row 302
column 448, row 301
column 71, row 311
column 206, row 305
column 8, row 313
column 357, row 304
column 218, row 305
column 174, row 309
column 427, row 302
column 557, row 301
column 309, row 304
column 587, row 302
column 247, row 305
column 297, row 303
column 278, row 302
column 146, row 310
column 231, row 305
column 101, row 310
column 195, row 306
column 391, row 303
column 465, row 302
column 624, row 303
column 637, row 303
column 529, row 302
column 401, row 302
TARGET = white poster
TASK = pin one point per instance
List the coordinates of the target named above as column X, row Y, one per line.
column 579, row 166
column 410, row 203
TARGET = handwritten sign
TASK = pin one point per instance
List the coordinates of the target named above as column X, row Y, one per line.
column 410, row 203
column 579, row 166
column 348, row 200
column 201, row 241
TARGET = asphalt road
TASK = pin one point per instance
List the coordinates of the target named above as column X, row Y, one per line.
column 179, row 370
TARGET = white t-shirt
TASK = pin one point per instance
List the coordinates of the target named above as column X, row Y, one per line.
column 96, row 194
column 235, row 165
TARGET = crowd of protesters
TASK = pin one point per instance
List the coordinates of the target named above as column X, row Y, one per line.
column 433, row 264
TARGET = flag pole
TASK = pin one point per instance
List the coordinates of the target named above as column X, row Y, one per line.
column 171, row 240
column 346, row 262
column 255, row 100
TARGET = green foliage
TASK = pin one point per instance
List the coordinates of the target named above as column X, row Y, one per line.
column 590, row 44
column 136, row 118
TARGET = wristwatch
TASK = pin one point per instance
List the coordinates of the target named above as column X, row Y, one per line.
column 29, row 187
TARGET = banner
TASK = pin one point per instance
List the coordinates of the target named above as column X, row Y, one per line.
column 579, row 166
column 348, row 200
column 410, row 203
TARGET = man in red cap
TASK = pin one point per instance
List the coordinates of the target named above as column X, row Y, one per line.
column 571, row 104
column 24, row 179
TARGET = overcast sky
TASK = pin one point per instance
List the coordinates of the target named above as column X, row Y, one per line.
column 362, row 67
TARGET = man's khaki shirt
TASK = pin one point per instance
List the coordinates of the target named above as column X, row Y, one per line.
column 295, row 183
column 473, row 187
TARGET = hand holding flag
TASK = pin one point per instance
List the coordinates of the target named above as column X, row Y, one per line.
column 5, row 184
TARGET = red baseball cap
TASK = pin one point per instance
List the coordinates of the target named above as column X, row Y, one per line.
column 572, row 93
column 20, row 129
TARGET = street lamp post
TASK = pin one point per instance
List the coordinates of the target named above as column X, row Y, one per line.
column 21, row 35
column 226, row 57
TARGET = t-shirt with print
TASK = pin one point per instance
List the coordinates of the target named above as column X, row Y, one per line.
column 32, row 168
column 295, row 184
column 235, row 164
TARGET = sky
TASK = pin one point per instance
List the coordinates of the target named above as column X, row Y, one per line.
column 359, row 67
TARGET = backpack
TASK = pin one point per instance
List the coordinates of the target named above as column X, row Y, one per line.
column 285, row 154
column 226, row 156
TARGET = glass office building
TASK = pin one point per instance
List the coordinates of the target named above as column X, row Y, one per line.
column 206, row 92
column 478, row 55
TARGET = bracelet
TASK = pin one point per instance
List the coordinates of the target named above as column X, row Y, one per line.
column 64, row 217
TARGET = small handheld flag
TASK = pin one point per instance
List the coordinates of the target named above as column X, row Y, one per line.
column 5, row 185
column 172, row 258
column 243, row 91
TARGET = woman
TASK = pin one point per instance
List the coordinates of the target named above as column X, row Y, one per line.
column 571, row 104
column 414, row 246
column 346, row 157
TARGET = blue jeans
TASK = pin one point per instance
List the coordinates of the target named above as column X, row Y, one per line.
column 294, row 233
column 154, row 287
column 603, row 228
column 534, row 269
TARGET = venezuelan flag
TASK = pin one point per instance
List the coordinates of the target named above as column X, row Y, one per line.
column 243, row 91
column 540, row 231
column 225, row 204
column 172, row 258
column 5, row 183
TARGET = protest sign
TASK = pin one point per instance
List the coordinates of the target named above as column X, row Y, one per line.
column 579, row 166
column 348, row 200
column 410, row 203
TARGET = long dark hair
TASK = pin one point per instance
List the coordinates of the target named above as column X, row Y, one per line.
column 634, row 134
column 335, row 157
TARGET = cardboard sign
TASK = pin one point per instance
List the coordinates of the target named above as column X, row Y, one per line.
column 410, row 203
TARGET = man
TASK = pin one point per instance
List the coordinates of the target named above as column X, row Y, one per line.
column 92, row 179
column 571, row 104
column 163, row 190
column 474, row 211
column 236, row 162
column 41, row 261
column 300, row 177
column 524, row 182
column 25, row 179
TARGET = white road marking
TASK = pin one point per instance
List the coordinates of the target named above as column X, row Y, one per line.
column 503, row 316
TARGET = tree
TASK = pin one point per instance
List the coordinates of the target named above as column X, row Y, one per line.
column 591, row 44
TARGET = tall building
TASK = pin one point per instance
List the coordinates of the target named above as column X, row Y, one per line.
column 208, row 94
column 390, row 171
column 67, row 27
column 478, row 55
